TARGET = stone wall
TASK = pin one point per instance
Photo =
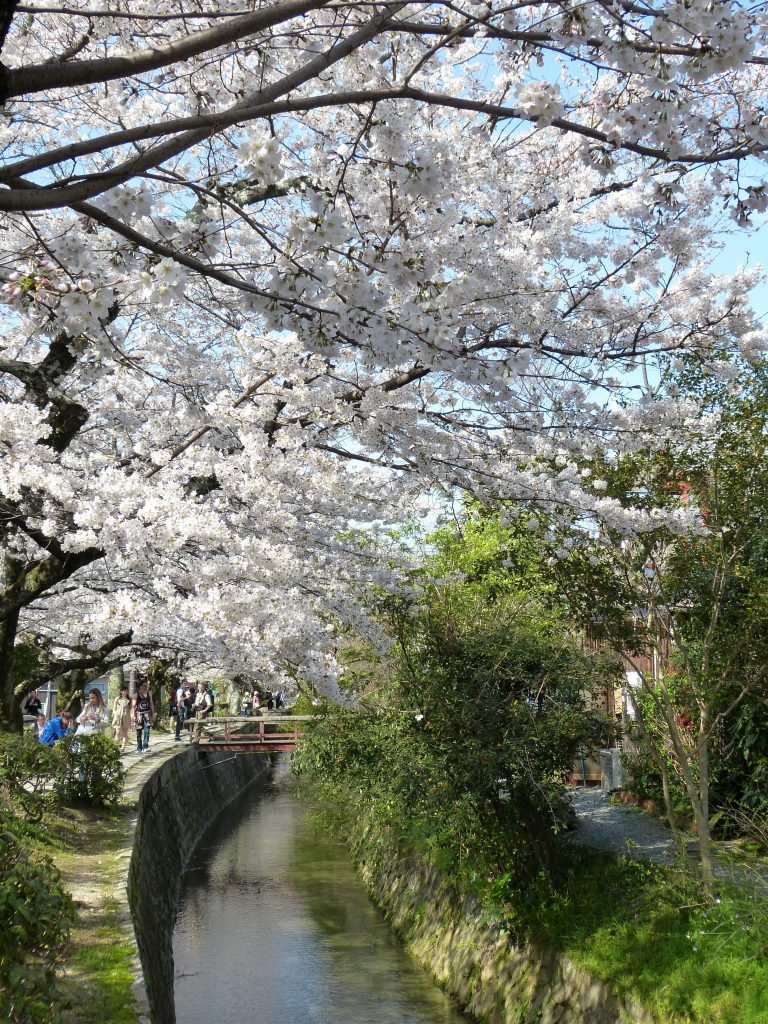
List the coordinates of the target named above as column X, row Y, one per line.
column 176, row 805
column 473, row 958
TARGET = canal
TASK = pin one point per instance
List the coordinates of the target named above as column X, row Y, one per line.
column 274, row 927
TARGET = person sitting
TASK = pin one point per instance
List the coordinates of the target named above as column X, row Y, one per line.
column 59, row 726
column 39, row 725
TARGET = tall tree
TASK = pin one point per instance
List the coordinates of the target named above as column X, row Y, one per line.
column 273, row 271
column 686, row 607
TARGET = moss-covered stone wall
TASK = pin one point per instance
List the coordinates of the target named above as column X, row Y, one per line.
column 473, row 958
column 176, row 805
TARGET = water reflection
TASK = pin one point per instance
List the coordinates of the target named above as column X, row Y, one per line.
column 275, row 928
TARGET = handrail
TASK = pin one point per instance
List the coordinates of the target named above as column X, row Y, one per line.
column 270, row 718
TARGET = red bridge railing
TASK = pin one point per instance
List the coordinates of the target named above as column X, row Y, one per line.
column 259, row 735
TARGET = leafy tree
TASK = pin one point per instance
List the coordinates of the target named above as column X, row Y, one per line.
column 464, row 745
column 687, row 606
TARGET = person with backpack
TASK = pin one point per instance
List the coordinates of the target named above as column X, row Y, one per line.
column 143, row 715
column 212, row 694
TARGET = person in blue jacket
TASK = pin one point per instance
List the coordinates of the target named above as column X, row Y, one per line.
column 59, row 726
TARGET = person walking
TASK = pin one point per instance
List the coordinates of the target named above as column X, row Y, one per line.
column 203, row 706
column 59, row 726
column 94, row 718
column 256, row 702
column 122, row 718
column 182, row 693
column 143, row 715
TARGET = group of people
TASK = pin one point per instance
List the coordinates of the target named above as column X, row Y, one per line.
column 188, row 705
column 127, row 713
column 252, row 703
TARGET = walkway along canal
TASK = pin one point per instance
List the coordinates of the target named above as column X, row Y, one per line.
column 274, row 927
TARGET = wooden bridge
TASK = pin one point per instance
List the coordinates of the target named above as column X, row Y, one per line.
column 265, row 734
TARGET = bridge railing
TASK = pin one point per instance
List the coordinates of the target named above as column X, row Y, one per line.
column 248, row 731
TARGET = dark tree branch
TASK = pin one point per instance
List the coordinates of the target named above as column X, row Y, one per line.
column 54, row 668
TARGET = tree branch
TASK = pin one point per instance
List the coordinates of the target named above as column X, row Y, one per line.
column 43, row 77
column 55, row 668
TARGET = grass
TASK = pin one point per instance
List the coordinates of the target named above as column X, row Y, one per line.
column 97, row 969
column 100, row 971
column 652, row 933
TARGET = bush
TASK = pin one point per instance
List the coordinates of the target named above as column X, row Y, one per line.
column 303, row 706
column 26, row 769
column 36, row 916
column 89, row 769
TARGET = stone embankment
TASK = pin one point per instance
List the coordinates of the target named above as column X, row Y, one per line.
column 171, row 796
column 176, row 805
column 475, row 960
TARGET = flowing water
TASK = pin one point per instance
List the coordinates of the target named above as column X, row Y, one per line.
column 274, row 927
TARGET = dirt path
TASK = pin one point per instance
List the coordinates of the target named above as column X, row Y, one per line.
column 102, row 975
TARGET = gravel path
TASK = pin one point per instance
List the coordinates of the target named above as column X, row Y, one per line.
column 619, row 827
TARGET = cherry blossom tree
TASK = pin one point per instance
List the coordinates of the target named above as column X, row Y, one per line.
column 271, row 271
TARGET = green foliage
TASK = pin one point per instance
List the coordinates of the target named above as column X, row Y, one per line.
column 303, row 706
column 33, row 775
column 36, row 916
column 89, row 769
column 652, row 934
column 26, row 770
column 461, row 748
column 741, row 770
column 483, row 552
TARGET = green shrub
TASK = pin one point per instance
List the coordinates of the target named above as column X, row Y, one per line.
column 26, row 769
column 303, row 706
column 36, row 916
column 89, row 769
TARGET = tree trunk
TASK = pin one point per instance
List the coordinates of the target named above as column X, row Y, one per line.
column 11, row 713
column 660, row 763
column 702, row 818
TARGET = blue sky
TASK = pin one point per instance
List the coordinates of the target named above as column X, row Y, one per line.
column 747, row 248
